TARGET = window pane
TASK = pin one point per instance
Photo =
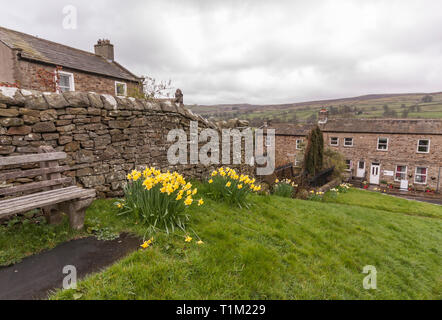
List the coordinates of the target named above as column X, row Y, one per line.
column 65, row 81
column 424, row 145
column 121, row 89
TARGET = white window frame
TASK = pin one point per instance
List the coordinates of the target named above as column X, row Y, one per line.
column 125, row 88
column 388, row 143
column 337, row 141
column 350, row 166
column 418, row 145
column 298, row 144
column 418, row 174
column 396, row 172
column 71, row 82
column 347, row 145
column 268, row 141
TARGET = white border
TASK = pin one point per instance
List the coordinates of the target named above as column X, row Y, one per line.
column 388, row 144
column 395, row 172
column 71, row 76
column 299, row 147
column 352, row 142
column 125, row 88
column 337, row 143
column 416, row 174
column 429, row 145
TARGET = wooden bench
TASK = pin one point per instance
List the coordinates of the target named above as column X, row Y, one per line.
column 54, row 193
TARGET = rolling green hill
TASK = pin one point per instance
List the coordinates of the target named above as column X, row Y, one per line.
column 370, row 106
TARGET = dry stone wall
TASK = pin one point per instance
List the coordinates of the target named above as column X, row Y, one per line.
column 104, row 136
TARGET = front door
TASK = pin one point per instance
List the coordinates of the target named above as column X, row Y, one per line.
column 375, row 173
column 361, row 170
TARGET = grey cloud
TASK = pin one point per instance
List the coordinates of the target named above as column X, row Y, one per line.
column 257, row 51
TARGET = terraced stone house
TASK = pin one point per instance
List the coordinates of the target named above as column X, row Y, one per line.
column 401, row 152
column 36, row 64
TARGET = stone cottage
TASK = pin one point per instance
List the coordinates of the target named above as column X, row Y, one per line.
column 401, row 152
column 33, row 63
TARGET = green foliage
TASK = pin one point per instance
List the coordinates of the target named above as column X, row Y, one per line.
column 101, row 233
column 314, row 153
column 284, row 188
column 335, row 159
column 226, row 185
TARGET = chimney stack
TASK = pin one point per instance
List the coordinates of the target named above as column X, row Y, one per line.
column 323, row 116
column 105, row 49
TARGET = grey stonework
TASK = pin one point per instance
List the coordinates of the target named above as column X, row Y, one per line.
column 105, row 137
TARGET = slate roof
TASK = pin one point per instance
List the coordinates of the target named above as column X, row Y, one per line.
column 41, row 50
column 399, row 126
column 284, row 129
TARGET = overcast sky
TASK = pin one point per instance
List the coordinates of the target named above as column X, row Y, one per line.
column 255, row 51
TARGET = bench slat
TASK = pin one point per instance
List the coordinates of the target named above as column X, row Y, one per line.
column 40, row 157
column 32, row 173
column 20, row 204
column 31, row 197
column 43, row 201
column 34, row 185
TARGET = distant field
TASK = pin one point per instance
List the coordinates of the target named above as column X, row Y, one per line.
column 371, row 106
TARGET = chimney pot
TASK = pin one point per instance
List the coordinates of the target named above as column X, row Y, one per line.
column 105, row 49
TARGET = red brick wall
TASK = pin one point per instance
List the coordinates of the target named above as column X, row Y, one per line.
column 84, row 82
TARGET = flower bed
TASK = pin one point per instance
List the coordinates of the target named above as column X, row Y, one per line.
column 227, row 185
column 158, row 199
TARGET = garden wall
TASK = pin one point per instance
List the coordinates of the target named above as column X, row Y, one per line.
column 104, row 136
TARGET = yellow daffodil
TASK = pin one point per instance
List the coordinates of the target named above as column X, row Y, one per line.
column 201, row 202
column 194, row 192
column 200, row 242
column 210, row 181
column 277, row 181
column 214, row 173
column 179, row 197
column 240, row 186
column 188, row 201
column 145, row 245
column 188, row 239
column 228, row 184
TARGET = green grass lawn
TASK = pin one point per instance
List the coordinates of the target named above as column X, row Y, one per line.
column 376, row 200
column 279, row 249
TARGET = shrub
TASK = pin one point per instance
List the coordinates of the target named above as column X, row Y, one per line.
column 334, row 159
column 227, row 185
column 284, row 188
column 343, row 188
column 158, row 199
column 314, row 153
column 316, row 196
